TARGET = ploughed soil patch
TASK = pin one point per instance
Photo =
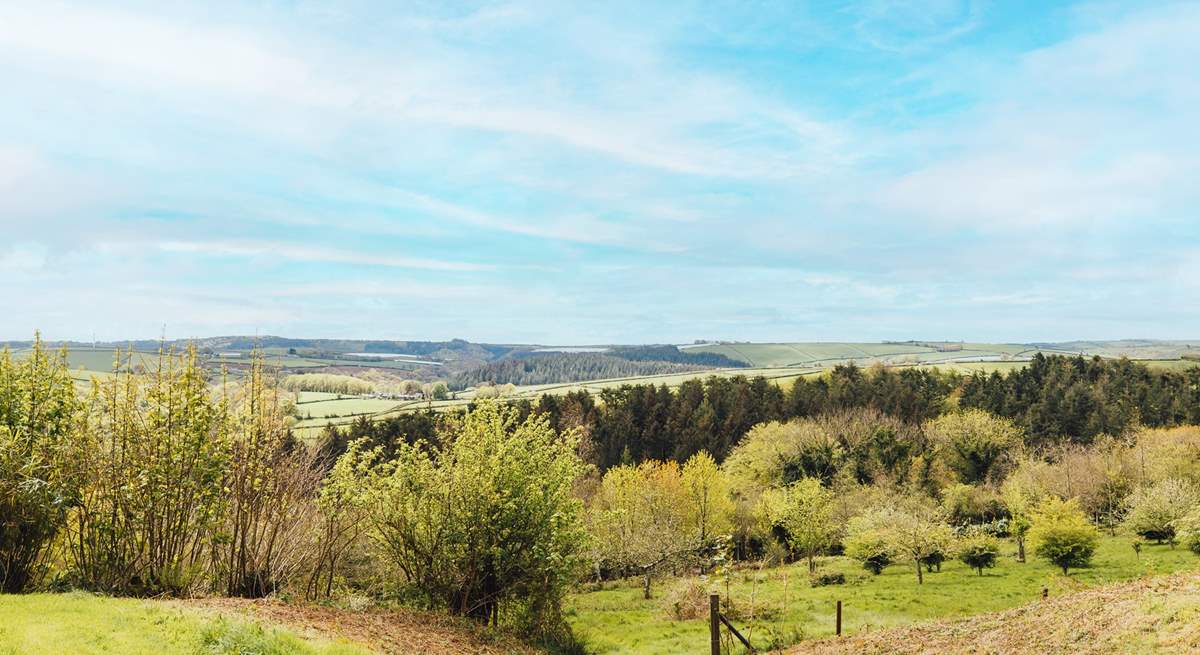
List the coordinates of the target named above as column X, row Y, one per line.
column 390, row 631
column 1152, row 615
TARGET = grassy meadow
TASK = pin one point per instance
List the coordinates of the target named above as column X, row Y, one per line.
column 616, row 619
column 87, row 624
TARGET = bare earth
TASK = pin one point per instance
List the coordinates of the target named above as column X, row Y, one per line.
column 1155, row 615
column 386, row 631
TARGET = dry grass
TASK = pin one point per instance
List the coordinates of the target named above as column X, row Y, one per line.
column 384, row 631
column 1153, row 615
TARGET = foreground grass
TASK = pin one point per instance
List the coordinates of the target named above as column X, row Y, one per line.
column 786, row 609
column 85, row 624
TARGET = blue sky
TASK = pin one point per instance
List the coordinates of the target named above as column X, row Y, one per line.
column 601, row 172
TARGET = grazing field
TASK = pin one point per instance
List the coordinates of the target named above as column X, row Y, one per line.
column 86, row 624
column 1154, row 615
column 348, row 406
column 825, row 354
column 617, row 619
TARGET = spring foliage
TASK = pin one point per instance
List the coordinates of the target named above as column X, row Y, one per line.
column 38, row 415
column 1062, row 535
column 487, row 522
column 1155, row 509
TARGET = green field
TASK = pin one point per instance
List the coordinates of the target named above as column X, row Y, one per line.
column 86, row 624
column 829, row 353
column 617, row 619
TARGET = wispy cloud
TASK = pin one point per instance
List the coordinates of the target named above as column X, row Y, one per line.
column 621, row 172
column 277, row 251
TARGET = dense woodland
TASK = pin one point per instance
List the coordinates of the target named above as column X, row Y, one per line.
column 1055, row 400
column 555, row 368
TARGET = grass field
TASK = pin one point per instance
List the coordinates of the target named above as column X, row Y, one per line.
column 617, row 619
column 1158, row 614
column 84, row 624
column 828, row 353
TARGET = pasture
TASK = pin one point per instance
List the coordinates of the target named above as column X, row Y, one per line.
column 776, row 606
column 829, row 353
column 83, row 624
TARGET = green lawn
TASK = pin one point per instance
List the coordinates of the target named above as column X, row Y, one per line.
column 618, row 620
column 85, row 624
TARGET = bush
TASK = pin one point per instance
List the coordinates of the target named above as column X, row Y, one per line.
column 488, row 519
column 933, row 561
column 979, row 551
column 976, row 445
column 687, row 600
column 1153, row 510
column 966, row 504
column 1188, row 530
column 38, row 420
column 867, row 541
column 1062, row 535
column 826, row 579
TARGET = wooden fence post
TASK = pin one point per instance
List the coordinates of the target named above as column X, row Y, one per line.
column 714, row 622
column 839, row 618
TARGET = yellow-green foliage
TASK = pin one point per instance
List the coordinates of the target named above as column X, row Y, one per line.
column 488, row 519
column 1062, row 535
column 1154, row 509
column 328, row 383
column 978, row 551
column 976, row 445
column 1187, row 530
column 38, row 415
column 151, row 465
column 709, row 505
column 638, row 517
column 804, row 511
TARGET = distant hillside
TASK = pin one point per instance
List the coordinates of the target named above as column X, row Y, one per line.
column 554, row 368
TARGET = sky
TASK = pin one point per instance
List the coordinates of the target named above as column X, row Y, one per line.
column 612, row 172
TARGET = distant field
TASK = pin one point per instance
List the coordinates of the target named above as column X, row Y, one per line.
column 345, row 407
column 825, row 354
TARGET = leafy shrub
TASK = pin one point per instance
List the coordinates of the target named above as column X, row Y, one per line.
column 1153, row 510
column 976, row 445
column 488, row 519
column 687, row 600
column 933, row 561
column 979, row 551
column 966, row 504
column 1188, row 530
column 38, row 418
column 826, row 579
column 867, row 541
column 1062, row 535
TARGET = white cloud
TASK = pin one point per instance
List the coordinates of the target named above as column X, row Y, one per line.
column 294, row 252
column 23, row 258
column 1085, row 132
column 657, row 120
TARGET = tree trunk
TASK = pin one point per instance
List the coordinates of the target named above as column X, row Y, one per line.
column 646, row 586
column 812, row 565
column 1021, row 549
column 920, row 577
